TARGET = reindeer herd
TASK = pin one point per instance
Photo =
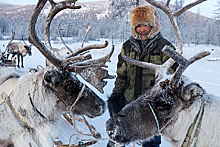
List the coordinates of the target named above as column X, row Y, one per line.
column 32, row 105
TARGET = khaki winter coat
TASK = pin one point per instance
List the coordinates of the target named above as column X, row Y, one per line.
column 132, row 81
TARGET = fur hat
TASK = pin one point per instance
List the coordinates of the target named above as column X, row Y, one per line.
column 145, row 15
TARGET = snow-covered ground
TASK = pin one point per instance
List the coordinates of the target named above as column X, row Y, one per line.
column 206, row 72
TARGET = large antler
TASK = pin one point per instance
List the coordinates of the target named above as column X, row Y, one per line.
column 161, row 70
column 68, row 62
column 33, row 38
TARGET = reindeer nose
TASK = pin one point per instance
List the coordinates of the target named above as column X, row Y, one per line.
column 101, row 107
column 114, row 133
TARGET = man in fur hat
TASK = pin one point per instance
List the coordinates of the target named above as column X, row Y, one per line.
column 145, row 44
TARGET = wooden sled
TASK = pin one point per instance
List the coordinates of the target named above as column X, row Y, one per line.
column 79, row 145
column 92, row 129
column 9, row 63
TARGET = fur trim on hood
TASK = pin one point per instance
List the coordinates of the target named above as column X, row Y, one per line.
column 145, row 15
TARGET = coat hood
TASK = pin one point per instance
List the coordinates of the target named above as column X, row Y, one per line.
column 145, row 15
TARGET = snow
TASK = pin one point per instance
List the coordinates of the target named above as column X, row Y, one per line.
column 206, row 72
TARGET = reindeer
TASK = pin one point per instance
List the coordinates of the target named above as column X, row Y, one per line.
column 21, row 49
column 91, row 74
column 31, row 109
column 175, row 107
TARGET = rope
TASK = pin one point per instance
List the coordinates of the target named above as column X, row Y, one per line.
column 169, row 121
column 78, row 97
column 70, row 110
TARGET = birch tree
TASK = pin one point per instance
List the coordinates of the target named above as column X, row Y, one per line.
column 217, row 16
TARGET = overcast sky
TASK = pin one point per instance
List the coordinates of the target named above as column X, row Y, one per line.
column 206, row 8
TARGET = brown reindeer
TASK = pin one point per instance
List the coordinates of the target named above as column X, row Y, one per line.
column 175, row 107
column 21, row 49
column 31, row 109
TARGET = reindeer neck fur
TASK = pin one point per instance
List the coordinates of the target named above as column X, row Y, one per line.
column 175, row 133
column 34, row 88
column 7, row 73
column 30, row 85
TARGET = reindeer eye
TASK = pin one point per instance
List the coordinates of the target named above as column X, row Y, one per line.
column 162, row 106
column 70, row 87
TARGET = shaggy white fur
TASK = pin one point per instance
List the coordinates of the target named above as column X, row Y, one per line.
column 40, row 131
column 210, row 130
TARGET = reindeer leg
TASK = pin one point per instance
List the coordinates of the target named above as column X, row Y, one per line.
column 22, row 65
column 18, row 61
column 7, row 56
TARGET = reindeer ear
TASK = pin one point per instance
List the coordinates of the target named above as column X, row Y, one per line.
column 52, row 77
column 192, row 92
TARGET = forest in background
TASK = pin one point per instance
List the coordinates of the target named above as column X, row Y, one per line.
column 110, row 19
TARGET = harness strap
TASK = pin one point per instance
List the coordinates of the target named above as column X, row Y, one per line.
column 35, row 109
column 5, row 98
column 6, row 89
column 194, row 130
column 155, row 117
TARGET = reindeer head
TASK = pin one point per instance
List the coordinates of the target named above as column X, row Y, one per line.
column 27, row 48
column 61, row 77
column 70, row 92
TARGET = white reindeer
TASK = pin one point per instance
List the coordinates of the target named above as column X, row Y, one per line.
column 175, row 107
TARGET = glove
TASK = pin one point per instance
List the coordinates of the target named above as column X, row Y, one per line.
column 115, row 103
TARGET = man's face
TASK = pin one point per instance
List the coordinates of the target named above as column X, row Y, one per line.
column 143, row 31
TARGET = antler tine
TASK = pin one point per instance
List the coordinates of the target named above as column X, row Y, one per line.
column 183, row 63
column 100, row 61
column 33, row 38
column 167, row 3
column 187, row 7
column 173, row 20
column 62, row 38
column 87, row 31
column 22, row 37
column 199, row 56
column 140, row 63
column 56, row 7
column 94, row 46
column 12, row 38
column 160, row 70
column 78, row 59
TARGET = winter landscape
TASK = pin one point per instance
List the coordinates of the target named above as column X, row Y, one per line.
column 110, row 20
column 206, row 72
